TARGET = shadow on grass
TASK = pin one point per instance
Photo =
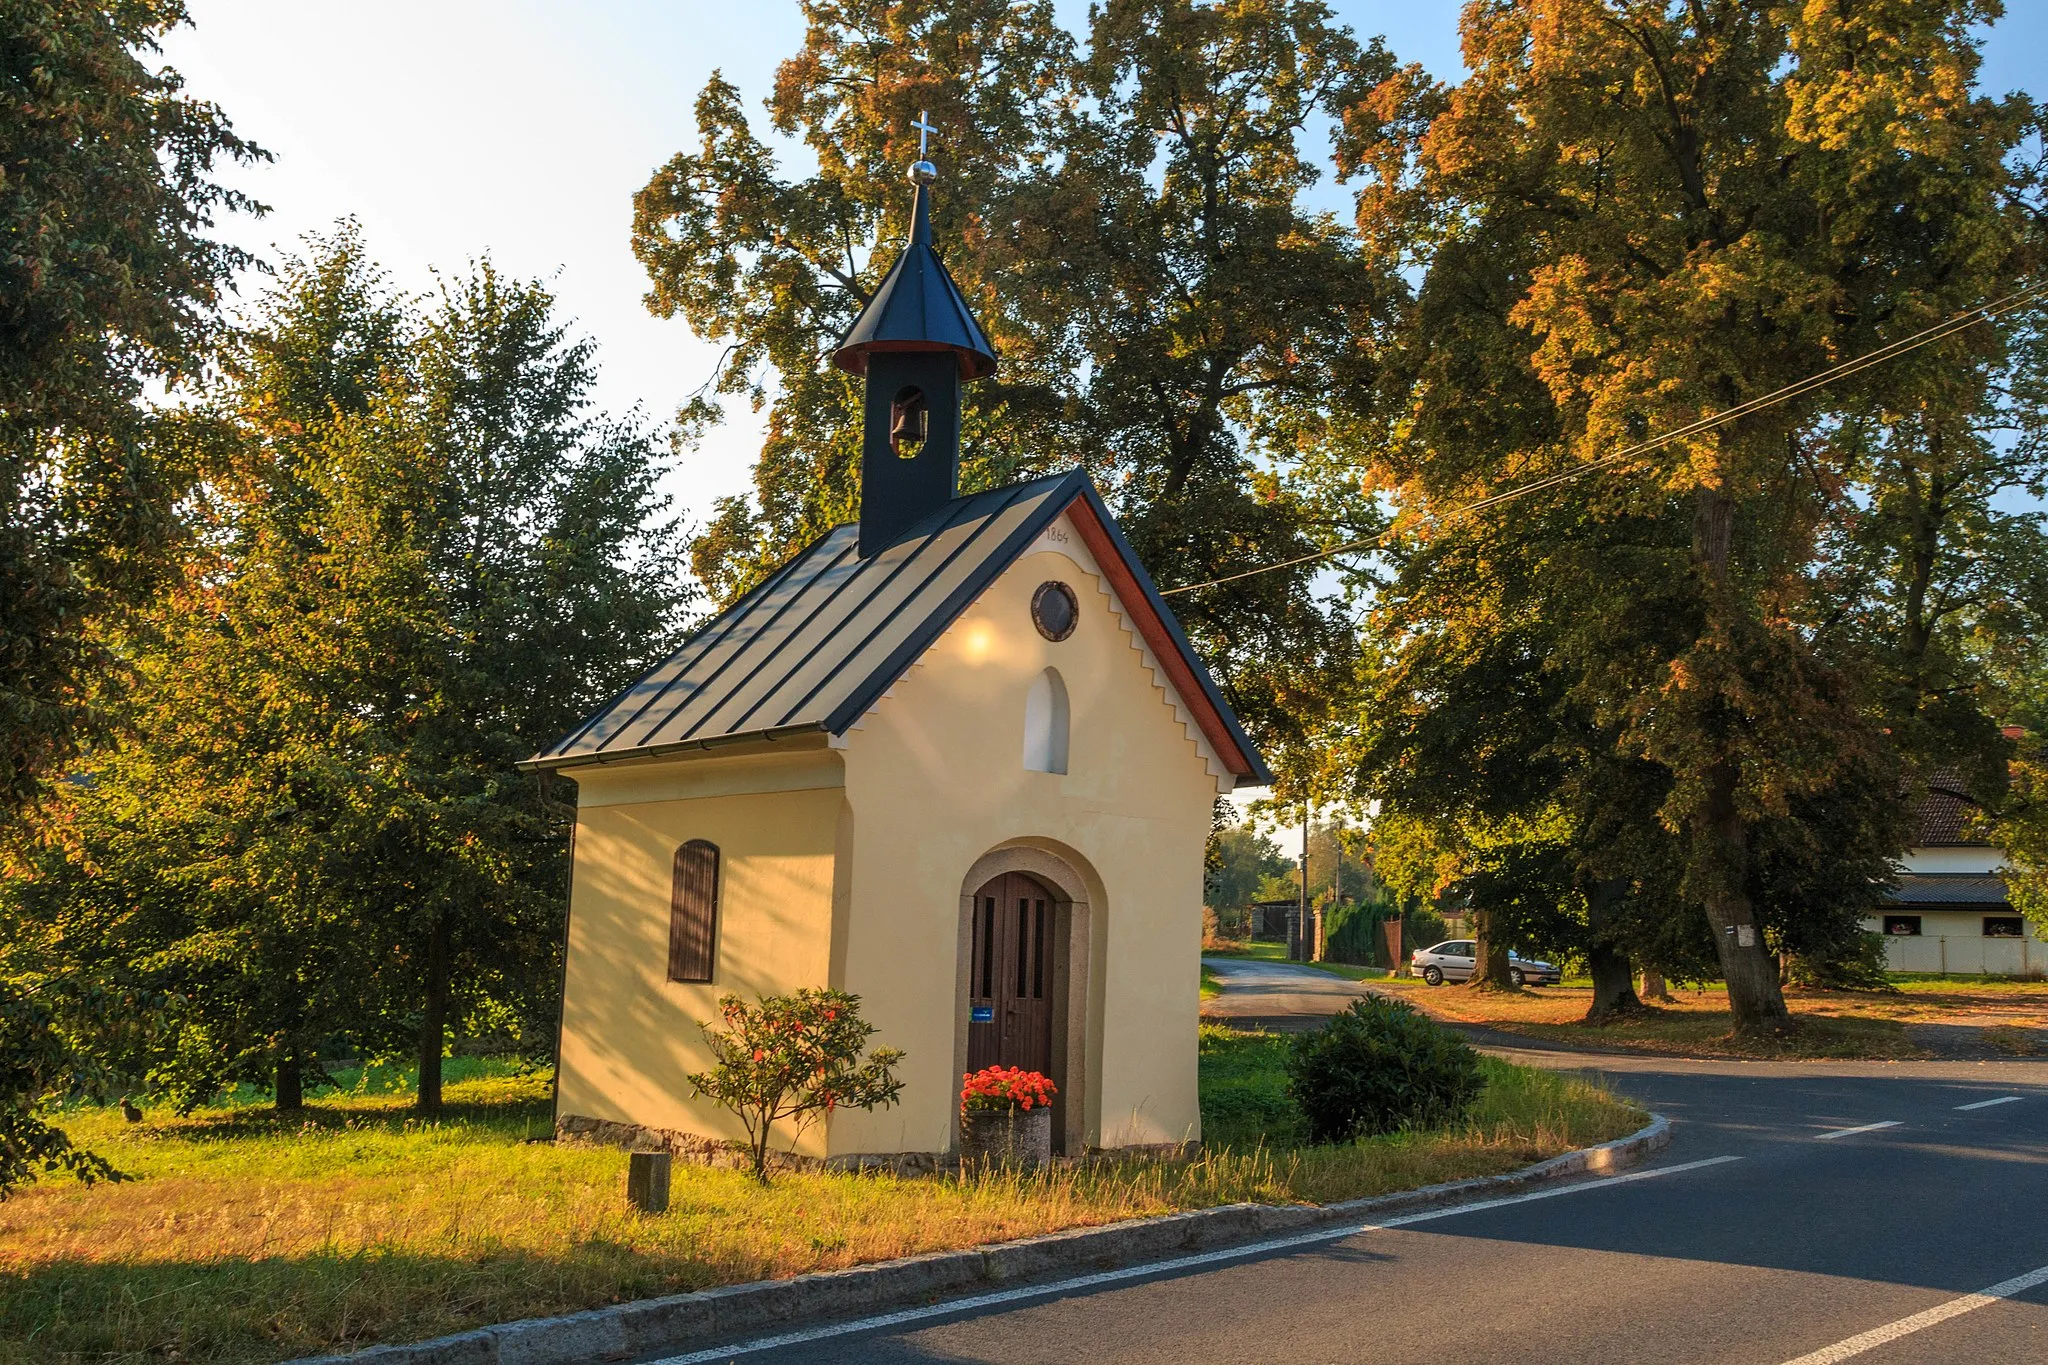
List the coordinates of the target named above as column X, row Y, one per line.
column 514, row 1118
column 254, row 1312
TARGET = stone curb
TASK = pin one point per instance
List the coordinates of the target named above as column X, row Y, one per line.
column 679, row 1321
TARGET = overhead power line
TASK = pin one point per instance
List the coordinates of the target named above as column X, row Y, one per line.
column 1969, row 317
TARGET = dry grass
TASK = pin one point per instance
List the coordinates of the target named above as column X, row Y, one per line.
column 1832, row 1024
column 2019, row 1042
column 251, row 1240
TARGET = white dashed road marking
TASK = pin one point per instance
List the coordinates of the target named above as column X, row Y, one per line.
column 1132, row 1272
column 1904, row 1327
column 1986, row 1104
column 1850, row 1132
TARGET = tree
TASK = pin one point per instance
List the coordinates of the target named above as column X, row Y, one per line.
column 1129, row 222
column 424, row 559
column 109, row 284
column 1634, row 217
column 794, row 1059
column 1336, row 864
column 1240, row 858
column 33, row 1064
column 550, row 582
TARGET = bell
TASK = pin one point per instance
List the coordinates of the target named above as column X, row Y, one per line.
column 911, row 420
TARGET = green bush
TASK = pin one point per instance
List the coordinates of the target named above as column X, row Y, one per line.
column 1351, row 933
column 1379, row 1067
column 1863, row 966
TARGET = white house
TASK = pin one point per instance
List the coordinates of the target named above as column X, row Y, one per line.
column 1949, row 912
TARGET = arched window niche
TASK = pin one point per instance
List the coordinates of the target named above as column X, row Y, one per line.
column 693, row 912
column 1045, row 724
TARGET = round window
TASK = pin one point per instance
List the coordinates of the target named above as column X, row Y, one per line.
column 1054, row 610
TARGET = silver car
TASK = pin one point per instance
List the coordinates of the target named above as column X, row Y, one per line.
column 1452, row 961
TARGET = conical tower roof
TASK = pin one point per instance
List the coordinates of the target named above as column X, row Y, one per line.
column 918, row 307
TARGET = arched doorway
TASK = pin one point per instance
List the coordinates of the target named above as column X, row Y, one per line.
column 1056, row 1018
column 1013, row 975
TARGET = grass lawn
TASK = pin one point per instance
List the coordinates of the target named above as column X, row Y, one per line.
column 1846, row 1024
column 1257, row 949
column 251, row 1239
column 1211, row 987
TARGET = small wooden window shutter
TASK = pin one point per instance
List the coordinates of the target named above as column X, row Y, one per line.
column 693, row 912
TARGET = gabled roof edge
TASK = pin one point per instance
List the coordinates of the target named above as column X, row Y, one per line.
column 1216, row 716
column 1148, row 613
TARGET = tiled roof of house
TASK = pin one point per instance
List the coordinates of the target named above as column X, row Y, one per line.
column 1944, row 815
column 814, row 646
column 1948, row 888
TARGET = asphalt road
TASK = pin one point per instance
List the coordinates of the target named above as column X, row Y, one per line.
column 1782, row 1225
column 1275, row 995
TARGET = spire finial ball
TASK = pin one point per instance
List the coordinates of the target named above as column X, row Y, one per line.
column 923, row 172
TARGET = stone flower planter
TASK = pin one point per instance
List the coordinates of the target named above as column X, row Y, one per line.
column 1012, row 1137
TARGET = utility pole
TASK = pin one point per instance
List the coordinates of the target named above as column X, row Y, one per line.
column 1301, row 937
column 1337, row 867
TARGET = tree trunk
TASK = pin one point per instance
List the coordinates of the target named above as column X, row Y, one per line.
column 1614, row 987
column 290, row 1088
column 1489, row 960
column 1654, row 987
column 1746, row 965
column 1720, row 835
column 434, row 1019
column 1614, row 990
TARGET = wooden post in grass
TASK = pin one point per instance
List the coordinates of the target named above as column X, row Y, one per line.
column 647, row 1181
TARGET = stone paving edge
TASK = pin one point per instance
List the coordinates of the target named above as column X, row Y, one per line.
column 646, row 1327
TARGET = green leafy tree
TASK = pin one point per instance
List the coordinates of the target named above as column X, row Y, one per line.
column 424, row 560
column 1632, row 217
column 794, row 1059
column 34, row 1064
column 108, row 283
column 1240, row 860
column 1128, row 219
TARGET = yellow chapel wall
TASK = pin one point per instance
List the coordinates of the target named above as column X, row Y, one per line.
column 935, row 779
column 630, row 1035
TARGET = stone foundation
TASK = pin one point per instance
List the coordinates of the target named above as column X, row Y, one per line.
column 578, row 1130
column 703, row 1151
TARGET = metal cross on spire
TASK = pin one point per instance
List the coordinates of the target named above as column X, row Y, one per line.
column 922, row 172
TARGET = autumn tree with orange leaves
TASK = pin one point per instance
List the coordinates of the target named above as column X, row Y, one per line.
column 1628, row 217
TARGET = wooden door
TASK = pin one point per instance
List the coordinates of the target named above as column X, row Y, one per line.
column 1010, row 976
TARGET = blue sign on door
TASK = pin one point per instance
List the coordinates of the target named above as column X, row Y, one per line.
column 981, row 1014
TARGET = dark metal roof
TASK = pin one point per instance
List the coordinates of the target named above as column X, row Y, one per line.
column 917, row 308
column 814, row 646
column 1948, row 888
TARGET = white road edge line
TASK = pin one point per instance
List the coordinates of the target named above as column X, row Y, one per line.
column 1986, row 1104
column 1851, row 1132
column 1132, row 1272
column 1941, row 1312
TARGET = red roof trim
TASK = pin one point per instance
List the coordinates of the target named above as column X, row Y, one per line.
column 1153, row 630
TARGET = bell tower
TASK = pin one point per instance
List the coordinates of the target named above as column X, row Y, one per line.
column 916, row 343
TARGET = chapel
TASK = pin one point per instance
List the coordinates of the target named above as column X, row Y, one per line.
column 956, row 758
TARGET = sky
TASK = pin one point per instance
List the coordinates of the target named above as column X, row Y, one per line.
column 451, row 128
column 521, row 129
